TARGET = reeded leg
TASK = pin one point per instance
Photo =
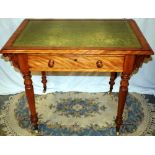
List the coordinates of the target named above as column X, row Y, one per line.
column 44, row 81
column 112, row 81
column 30, row 98
column 122, row 98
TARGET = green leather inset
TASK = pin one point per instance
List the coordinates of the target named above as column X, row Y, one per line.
column 72, row 33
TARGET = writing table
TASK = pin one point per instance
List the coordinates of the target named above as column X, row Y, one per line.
column 77, row 46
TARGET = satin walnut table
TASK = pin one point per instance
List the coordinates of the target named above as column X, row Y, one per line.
column 77, row 46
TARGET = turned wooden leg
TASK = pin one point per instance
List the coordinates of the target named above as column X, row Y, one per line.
column 121, row 101
column 44, row 81
column 24, row 68
column 30, row 98
column 128, row 67
column 112, row 81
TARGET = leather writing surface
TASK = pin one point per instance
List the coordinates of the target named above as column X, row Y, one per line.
column 80, row 33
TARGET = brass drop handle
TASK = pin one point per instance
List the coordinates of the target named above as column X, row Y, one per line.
column 99, row 64
column 51, row 63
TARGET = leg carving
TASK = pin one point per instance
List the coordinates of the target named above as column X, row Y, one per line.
column 122, row 98
column 112, row 81
column 30, row 98
column 44, row 81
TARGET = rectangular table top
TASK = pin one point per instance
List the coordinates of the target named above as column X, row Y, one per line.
column 77, row 34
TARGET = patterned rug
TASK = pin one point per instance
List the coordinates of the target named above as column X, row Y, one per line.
column 75, row 113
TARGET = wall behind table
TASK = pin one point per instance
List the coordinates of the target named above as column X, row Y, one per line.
column 11, row 80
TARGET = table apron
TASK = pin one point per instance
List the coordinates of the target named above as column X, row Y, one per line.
column 76, row 63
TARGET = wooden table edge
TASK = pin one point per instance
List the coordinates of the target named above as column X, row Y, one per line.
column 9, row 48
column 94, row 52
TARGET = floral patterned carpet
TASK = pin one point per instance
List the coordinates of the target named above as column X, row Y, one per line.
column 76, row 113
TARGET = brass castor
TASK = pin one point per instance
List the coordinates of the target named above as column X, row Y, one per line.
column 35, row 130
column 44, row 90
column 117, row 133
column 109, row 92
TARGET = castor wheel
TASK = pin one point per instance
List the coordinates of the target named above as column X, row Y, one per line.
column 36, row 132
column 35, row 129
column 109, row 92
column 44, row 90
column 117, row 133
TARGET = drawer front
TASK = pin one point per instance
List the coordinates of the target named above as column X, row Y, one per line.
column 82, row 63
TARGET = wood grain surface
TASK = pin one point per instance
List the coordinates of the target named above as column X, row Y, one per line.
column 107, row 51
column 84, row 63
